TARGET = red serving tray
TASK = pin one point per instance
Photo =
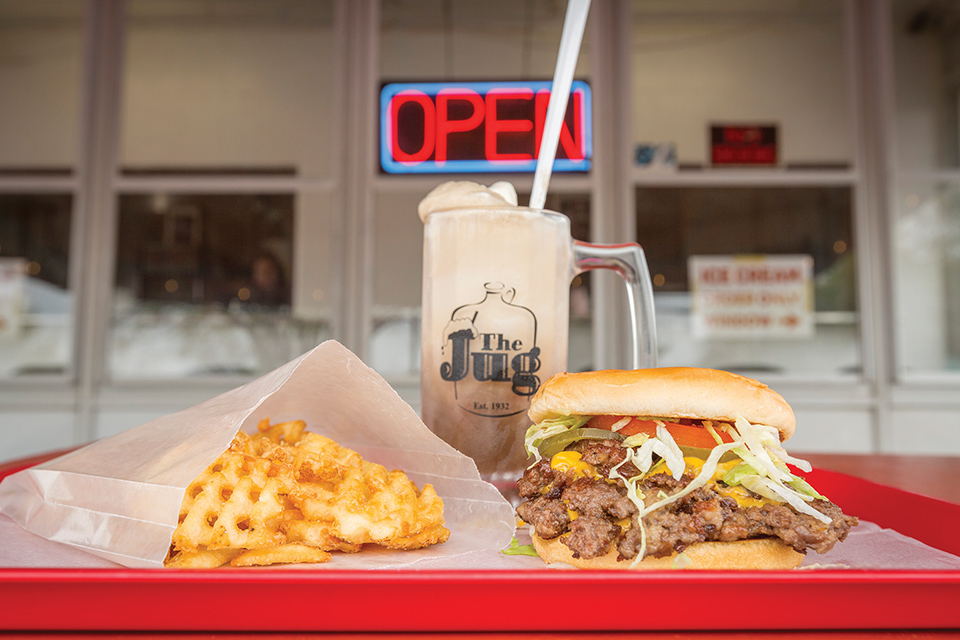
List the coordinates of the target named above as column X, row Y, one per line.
column 235, row 600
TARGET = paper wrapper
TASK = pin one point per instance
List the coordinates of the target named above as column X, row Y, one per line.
column 119, row 498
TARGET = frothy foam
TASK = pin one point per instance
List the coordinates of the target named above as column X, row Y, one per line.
column 454, row 195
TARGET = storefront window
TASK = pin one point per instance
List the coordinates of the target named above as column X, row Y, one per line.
column 927, row 277
column 755, row 278
column 926, row 50
column 40, row 62
column 225, row 244
column 926, row 204
column 777, row 293
column 204, row 286
column 36, row 306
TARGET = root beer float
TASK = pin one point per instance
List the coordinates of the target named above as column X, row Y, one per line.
column 496, row 291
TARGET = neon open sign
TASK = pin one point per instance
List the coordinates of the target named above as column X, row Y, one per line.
column 475, row 127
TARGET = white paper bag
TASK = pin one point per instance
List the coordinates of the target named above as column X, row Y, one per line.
column 119, row 498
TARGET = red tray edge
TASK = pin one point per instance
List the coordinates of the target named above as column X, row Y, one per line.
column 124, row 600
column 846, row 598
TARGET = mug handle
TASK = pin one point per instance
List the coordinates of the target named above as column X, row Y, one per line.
column 629, row 262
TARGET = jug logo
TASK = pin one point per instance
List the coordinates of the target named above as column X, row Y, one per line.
column 492, row 342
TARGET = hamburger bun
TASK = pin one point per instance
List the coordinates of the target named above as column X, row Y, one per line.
column 669, row 392
column 758, row 553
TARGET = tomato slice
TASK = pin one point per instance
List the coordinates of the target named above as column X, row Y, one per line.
column 685, row 435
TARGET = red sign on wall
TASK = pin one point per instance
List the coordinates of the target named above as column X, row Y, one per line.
column 478, row 127
column 743, row 144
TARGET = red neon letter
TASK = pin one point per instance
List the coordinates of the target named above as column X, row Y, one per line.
column 494, row 126
column 445, row 126
column 429, row 125
column 572, row 144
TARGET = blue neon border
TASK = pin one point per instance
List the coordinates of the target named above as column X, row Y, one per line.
column 482, row 166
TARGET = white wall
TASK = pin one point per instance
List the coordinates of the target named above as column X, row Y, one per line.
column 753, row 67
column 229, row 96
column 39, row 95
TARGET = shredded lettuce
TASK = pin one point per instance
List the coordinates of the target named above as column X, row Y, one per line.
column 708, row 425
column 635, row 440
column 671, row 452
column 682, row 561
column 802, row 486
column 766, row 486
column 735, row 475
column 517, row 549
column 538, row 432
column 706, row 473
column 756, row 454
column 799, row 463
column 633, row 492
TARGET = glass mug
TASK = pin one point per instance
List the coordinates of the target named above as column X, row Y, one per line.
column 496, row 295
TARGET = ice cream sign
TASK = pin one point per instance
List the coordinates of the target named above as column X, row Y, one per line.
column 475, row 127
column 752, row 296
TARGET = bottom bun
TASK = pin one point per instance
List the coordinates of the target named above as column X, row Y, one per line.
column 761, row 553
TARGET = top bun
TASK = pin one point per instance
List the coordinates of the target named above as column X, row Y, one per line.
column 676, row 392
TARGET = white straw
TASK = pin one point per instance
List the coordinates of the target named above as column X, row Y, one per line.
column 574, row 24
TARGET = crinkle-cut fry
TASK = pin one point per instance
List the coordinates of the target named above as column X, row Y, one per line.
column 321, row 460
column 285, row 493
column 420, row 540
column 204, row 559
column 325, row 447
column 371, row 505
column 236, row 503
column 316, row 534
column 249, row 518
column 200, row 510
column 288, row 432
column 241, row 443
column 289, row 553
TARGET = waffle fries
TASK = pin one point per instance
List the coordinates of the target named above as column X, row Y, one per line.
column 286, row 495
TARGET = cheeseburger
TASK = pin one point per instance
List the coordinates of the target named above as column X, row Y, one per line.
column 669, row 467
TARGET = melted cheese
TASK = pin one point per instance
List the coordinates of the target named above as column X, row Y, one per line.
column 741, row 495
column 570, row 461
column 692, row 463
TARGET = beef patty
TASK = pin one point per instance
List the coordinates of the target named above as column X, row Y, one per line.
column 599, row 516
